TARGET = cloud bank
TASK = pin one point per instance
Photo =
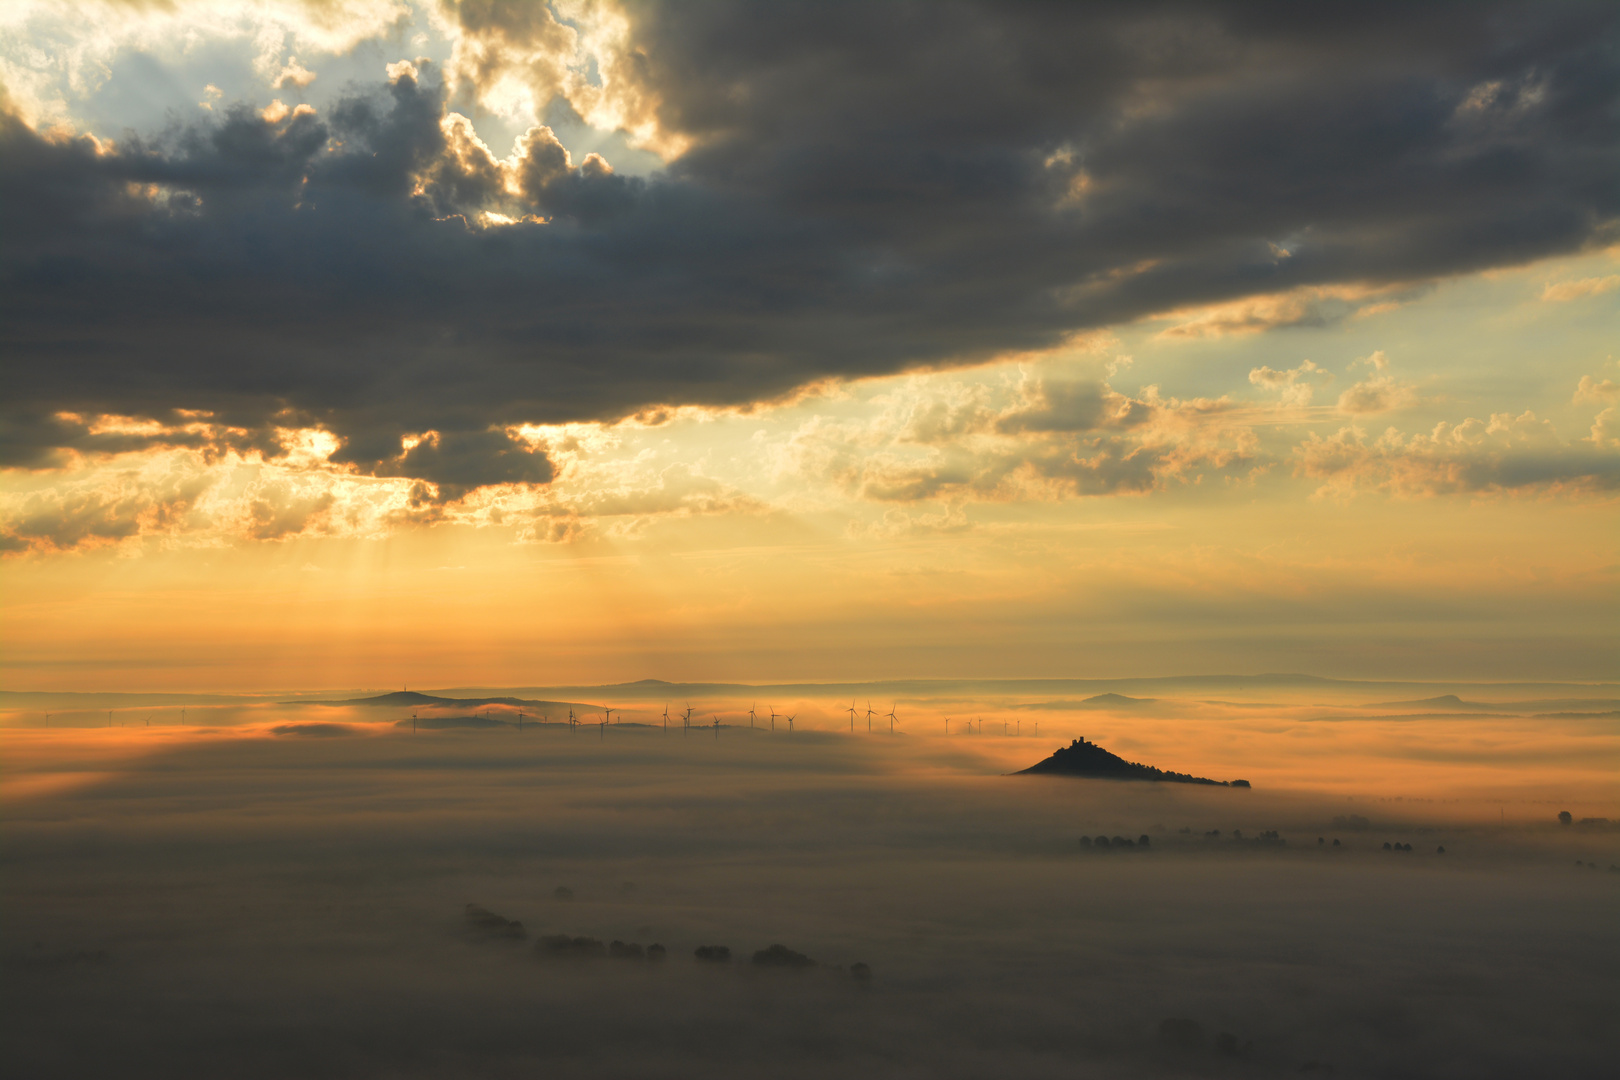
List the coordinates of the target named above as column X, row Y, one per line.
column 843, row 196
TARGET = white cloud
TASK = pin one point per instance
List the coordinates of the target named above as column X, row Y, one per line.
column 293, row 73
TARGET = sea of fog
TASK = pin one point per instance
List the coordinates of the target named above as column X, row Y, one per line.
column 270, row 890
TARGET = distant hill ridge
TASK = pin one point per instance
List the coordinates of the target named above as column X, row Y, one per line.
column 407, row 698
column 1082, row 758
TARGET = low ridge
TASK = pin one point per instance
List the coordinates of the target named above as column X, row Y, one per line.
column 1082, row 758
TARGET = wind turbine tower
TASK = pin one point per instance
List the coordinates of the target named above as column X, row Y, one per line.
column 892, row 719
column 751, row 709
column 869, row 718
column 851, row 711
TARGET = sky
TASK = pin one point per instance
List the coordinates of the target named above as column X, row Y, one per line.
column 456, row 344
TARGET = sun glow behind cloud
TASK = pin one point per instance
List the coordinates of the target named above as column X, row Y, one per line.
column 1229, row 470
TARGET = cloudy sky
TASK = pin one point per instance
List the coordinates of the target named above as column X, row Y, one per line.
column 372, row 343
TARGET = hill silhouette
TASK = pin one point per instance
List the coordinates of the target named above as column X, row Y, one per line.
column 1082, row 758
column 1113, row 701
column 412, row 699
column 1444, row 701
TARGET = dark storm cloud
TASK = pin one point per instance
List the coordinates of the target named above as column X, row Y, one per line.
column 868, row 188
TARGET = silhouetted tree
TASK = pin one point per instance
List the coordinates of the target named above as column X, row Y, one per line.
column 562, row 945
column 1565, row 817
column 782, row 956
column 484, row 923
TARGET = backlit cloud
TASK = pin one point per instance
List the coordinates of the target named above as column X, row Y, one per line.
column 1505, row 454
column 1296, row 384
column 1563, row 291
column 841, row 198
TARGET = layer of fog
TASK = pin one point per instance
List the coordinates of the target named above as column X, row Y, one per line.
column 236, row 901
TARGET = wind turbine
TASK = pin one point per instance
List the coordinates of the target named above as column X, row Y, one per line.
column 947, row 725
column 520, row 719
column 751, row 709
column 773, row 717
column 892, row 719
column 716, row 728
column 687, row 729
column 789, row 720
column 851, row 711
column 413, row 723
column 666, row 718
column 573, row 721
column 869, row 717
column 601, row 728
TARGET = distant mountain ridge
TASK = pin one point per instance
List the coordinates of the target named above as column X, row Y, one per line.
column 1082, row 758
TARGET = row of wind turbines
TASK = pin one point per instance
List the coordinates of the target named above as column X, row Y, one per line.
column 575, row 722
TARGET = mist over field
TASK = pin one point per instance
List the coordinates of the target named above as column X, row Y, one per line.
column 277, row 890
